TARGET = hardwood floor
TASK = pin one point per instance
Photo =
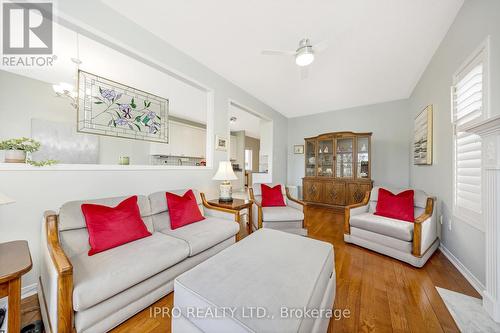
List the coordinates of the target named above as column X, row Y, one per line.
column 381, row 294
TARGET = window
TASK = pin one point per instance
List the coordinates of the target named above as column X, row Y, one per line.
column 248, row 159
column 468, row 105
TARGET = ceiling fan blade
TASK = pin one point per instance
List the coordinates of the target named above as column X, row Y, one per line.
column 320, row 47
column 304, row 73
column 278, row 52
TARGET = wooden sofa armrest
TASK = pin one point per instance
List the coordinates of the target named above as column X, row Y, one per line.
column 347, row 211
column 207, row 205
column 417, row 227
column 64, row 270
column 259, row 208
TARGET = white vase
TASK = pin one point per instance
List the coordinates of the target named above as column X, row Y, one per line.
column 15, row 156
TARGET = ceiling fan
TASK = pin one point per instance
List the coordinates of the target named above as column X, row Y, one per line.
column 304, row 54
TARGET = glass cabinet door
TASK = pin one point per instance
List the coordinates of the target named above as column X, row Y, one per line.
column 325, row 158
column 344, row 165
column 363, row 157
column 310, row 158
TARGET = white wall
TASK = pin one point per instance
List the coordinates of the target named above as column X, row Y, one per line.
column 389, row 123
column 474, row 22
column 41, row 189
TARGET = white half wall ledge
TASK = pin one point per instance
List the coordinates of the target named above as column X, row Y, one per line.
column 489, row 130
column 97, row 167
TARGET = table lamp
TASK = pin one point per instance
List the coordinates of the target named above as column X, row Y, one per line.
column 226, row 174
column 4, row 200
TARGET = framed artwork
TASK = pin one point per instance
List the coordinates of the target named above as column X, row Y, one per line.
column 422, row 137
column 110, row 108
column 220, row 143
column 298, row 149
column 60, row 141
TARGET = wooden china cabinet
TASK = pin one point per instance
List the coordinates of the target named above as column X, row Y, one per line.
column 337, row 168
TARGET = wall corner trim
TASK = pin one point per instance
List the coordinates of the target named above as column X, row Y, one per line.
column 476, row 284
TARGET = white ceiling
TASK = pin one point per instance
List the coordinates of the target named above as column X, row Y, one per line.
column 245, row 121
column 185, row 101
column 377, row 50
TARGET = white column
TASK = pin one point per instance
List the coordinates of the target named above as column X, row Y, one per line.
column 489, row 130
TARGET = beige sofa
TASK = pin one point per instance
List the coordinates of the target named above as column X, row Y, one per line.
column 413, row 243
column 96, row 293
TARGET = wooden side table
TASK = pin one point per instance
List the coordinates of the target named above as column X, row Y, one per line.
column 239, row 205
column 15, row 260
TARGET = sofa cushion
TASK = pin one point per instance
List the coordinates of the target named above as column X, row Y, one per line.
column 397, row 206
column 204, row 234
column 109, row 227
column 272, row 196
column 108, row 273
column 183, row 209
column 419, row 197
column 159, row 203
column 286, row 213
column 383, row 225
column 71, row 216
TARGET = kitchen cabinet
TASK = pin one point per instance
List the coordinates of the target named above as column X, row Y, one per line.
column 184, row 140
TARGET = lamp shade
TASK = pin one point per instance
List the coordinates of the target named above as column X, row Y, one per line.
column 5, row 199
column 225, row 171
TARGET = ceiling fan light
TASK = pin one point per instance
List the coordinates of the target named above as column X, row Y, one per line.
column 304, row 58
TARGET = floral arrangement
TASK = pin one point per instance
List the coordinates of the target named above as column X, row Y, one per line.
column 26, row 144
column 127, row 114
column 41, row 163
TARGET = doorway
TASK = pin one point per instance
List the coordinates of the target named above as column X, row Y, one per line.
column 250, row 146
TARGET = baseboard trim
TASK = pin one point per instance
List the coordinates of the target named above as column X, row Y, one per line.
column 29, row 290
column 476, row 284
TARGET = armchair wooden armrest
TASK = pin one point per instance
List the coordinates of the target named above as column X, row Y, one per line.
column 300, row 202
column 347, row 211
column 417, row 227
column 64, row 270
column 289, row 197
column 259, row 208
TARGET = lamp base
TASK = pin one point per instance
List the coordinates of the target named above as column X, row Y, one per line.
column 225, row 192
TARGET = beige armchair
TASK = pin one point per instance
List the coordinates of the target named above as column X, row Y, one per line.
column 413, row 243
column 290, row 218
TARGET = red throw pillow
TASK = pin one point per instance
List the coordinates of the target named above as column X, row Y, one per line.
column 397, row 206
column 183, row 210
column 272, row 196
column 110, row 227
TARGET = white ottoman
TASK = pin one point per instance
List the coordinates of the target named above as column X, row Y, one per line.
column 268, row 282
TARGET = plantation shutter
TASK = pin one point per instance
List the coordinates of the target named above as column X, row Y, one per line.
column 467, row 108
column 468, row 171
column 468, row 97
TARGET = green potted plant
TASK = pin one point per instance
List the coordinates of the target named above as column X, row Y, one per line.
column 16, row 149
